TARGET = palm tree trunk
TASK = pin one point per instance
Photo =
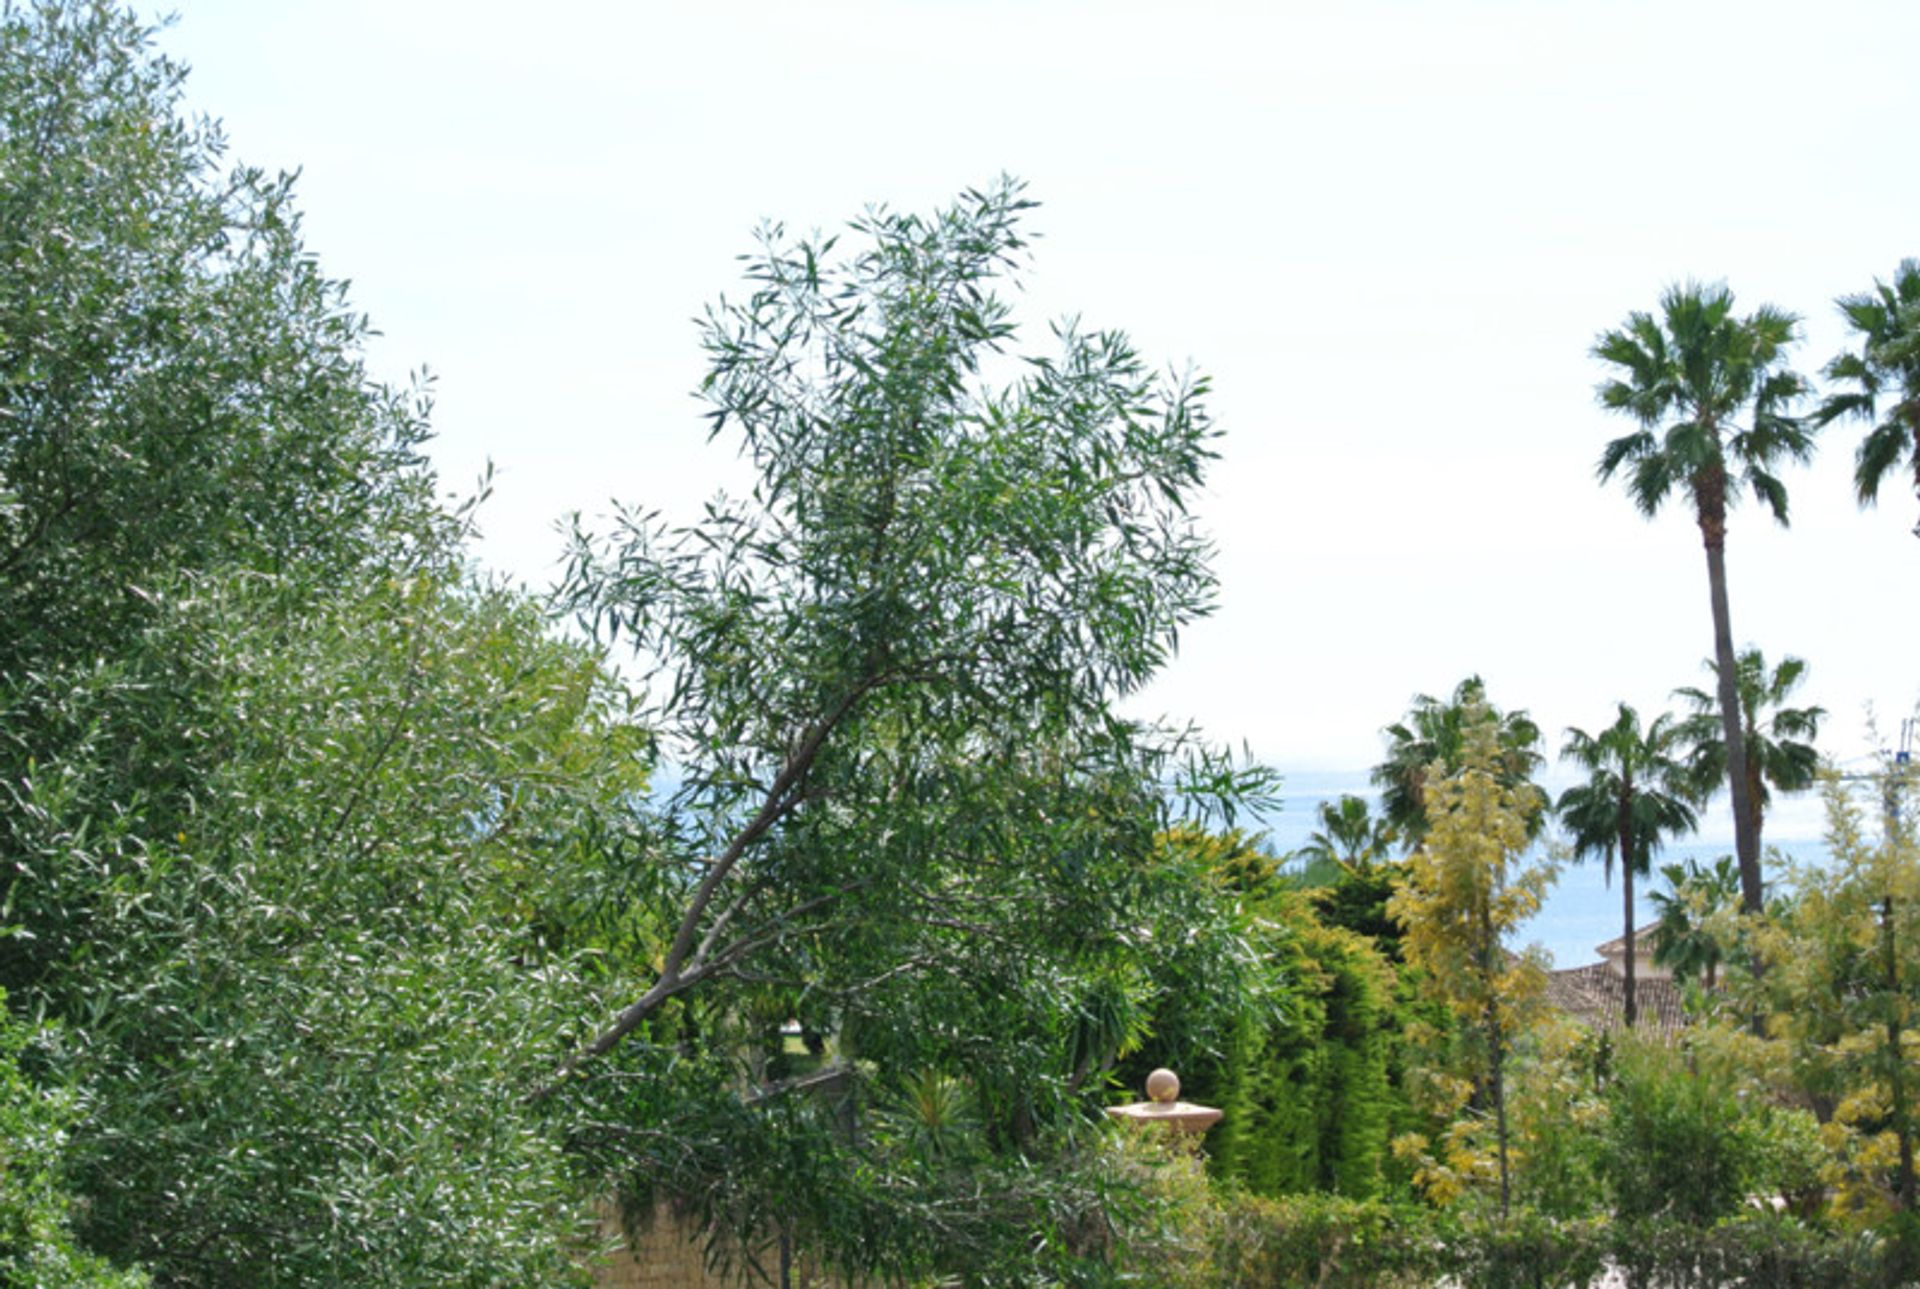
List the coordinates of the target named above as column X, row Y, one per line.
column 1632, row 1009
column 1626, row 885
column 1746, row 845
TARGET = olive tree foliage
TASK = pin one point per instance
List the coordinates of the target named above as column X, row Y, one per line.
column 307, row 1014
column 888, row 677
column 36, row 1207
column 181, row 391
column 293, row 816
column 180, row 385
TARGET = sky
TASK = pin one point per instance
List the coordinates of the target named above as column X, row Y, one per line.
column 1389, row 233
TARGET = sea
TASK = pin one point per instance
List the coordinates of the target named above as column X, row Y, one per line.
column 1582, row 910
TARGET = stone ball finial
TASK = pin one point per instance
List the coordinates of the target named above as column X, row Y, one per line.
column 1163, row 1086
column 1165, row 1107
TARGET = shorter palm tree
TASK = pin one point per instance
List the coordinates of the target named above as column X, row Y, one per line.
column 1693, row 895
column 1433, row 735
column 1779, row 739
column 1349, row 837
column 1884, row 374
column 1638, row 793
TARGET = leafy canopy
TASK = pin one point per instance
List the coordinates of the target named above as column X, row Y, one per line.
column 1637, row 791
column 1881, row 379
column 1429, row 745
column 907, row 812
column 1779, row 739
column 1465, row 892
column 1687, row 376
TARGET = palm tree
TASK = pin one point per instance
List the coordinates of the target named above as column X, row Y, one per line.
column 1888, row 363
column 1693, row 893
column 1433, row 735
column 1778, row 739
column 1349, row 836
column 1687, row 377
column 1637, row 794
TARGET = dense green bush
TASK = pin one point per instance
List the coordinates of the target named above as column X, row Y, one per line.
column 36, row 1205
column 1310, row 1103
column 1253, row 1242
column 1753, row 1249
column 1305, row 1072
column 1678, row 1144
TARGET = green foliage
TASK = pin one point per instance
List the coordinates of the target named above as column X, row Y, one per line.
column 1251, row 1242
column 309, row 1015
column 1885, row 367
column 1356, row 899
column 1298, row 1051
column 36, row 1206
column 1843, row 992
column 1309, row 1100
column 1688, row 378
column 1349, row 838
column 1559, row 1114
column 180, row 387
column 1677, row 1143
column 1694, row 895
column 1778, row 739
column 1754, row 1249
column 1465, row 893
column 300, row 832
column 908, row 814
column 1637, row 793
column 1428, row 745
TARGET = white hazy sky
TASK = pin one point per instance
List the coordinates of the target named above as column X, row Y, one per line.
column 1389, row 231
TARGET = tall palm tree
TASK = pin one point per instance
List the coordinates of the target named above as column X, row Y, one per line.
column 1638, row 793
column 1778, row 738
column 1713, row 398
column 1434, row 734
column 1887, row 364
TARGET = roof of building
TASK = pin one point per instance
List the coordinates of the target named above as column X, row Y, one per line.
column 1596, row 995
column 1645, row 940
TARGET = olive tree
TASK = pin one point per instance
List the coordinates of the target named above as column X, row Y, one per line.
column 291, row 813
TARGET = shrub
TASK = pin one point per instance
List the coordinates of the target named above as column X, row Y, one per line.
column 36, row 1240
column 1677, row 1145
column 1215, row 1241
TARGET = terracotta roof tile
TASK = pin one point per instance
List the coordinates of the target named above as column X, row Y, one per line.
column 1596, row 996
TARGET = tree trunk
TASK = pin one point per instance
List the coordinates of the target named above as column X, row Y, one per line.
column 1626, row 884
column 1497, row 1050
column 1632, row 1010
column 1746, row 847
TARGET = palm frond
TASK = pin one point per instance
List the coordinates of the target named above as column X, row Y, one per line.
column 1883, row 448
